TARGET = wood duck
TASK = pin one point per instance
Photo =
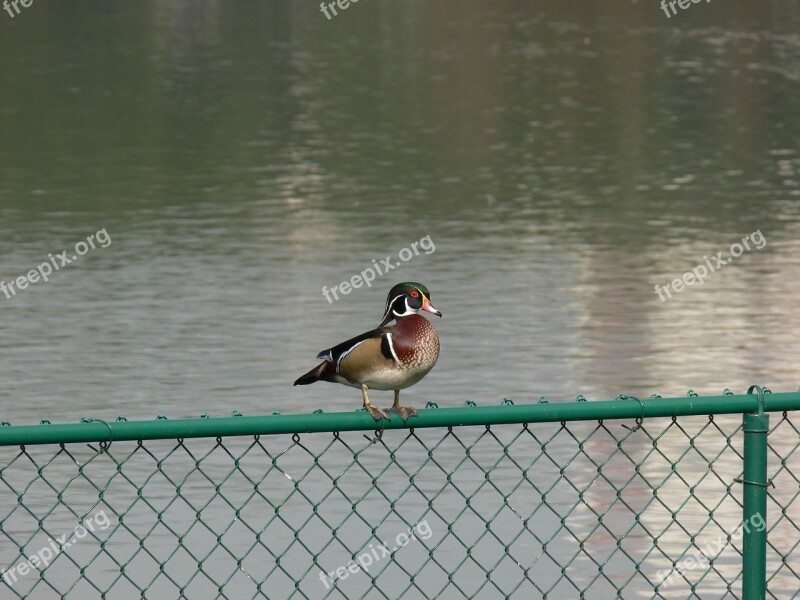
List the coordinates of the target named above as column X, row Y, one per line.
column 388, row 357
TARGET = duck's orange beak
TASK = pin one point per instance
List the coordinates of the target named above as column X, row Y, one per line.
column 427, row 306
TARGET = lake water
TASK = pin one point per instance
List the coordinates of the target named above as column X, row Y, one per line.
column 562, row 160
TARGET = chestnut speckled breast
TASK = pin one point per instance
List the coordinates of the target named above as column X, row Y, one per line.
column 416, row 343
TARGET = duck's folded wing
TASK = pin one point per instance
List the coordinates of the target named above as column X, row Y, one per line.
column 339, row 351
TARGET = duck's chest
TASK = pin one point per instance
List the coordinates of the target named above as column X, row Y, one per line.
column 415, row 342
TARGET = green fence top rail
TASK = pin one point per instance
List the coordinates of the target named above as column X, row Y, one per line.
column 623, row 407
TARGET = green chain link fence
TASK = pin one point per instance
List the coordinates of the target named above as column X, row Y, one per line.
column 629, row 498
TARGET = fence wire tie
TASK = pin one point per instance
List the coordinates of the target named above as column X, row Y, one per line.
column 758, row 483
column 639, row 419
column 760, row 393
column 103, row 443
column 377, row 437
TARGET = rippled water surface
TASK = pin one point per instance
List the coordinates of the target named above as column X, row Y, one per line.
column 562, row 160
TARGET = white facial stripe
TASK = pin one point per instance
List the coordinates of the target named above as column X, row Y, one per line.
column 409, row 310
column 389, row 304
column 389, row 307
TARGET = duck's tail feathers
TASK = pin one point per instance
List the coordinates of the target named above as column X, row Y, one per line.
column 315, row 374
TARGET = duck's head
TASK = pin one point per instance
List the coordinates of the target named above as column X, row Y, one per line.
column 407, row 299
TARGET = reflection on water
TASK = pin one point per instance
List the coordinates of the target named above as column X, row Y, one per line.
column 565, row 160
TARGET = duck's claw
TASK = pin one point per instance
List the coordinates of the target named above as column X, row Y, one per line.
column 404, row 411
column 377, row 413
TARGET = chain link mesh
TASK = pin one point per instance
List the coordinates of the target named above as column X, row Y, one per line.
column 589, row 509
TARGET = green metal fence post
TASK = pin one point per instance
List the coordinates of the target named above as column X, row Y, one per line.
column 756, row 426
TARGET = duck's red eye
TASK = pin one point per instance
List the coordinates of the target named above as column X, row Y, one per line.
column 414, row 294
